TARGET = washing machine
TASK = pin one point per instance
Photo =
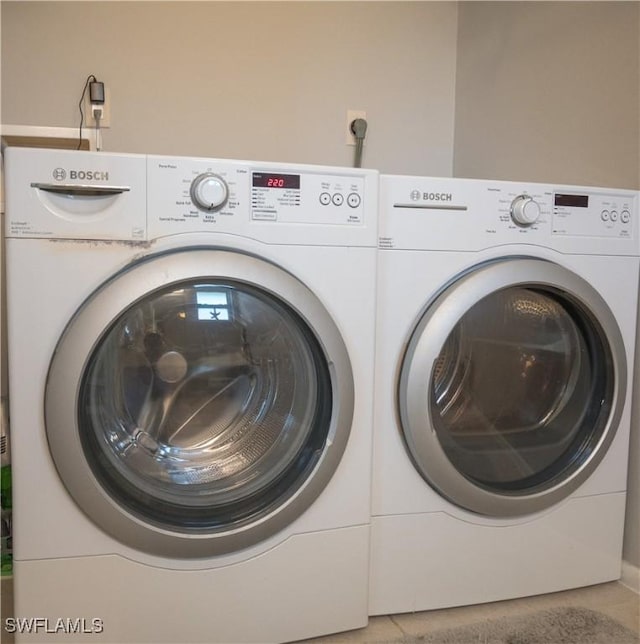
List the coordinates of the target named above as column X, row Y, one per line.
column 191, row 371
column 505, row 340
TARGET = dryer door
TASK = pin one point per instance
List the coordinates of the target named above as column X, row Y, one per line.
column 512, row 387
column 198, row 403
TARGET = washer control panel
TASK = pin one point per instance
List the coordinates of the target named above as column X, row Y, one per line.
column 306, row 198
column 144, row 198
column 207, row 195
column 269, row 202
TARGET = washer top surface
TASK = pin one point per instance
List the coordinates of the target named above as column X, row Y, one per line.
column 138, row 198
column 424, row 213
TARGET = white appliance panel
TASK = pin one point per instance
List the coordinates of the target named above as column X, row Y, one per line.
column 427, row 551
column 62, row 247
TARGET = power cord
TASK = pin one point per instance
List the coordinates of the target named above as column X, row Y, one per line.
column 97, row 115
column 359, row 129
column 84, row 91
column 96, row 97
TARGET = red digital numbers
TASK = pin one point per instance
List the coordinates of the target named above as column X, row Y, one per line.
column 275, row 182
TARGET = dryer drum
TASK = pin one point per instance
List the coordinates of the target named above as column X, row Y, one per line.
column 527, row 338
column 524, row 370
column 517, row 389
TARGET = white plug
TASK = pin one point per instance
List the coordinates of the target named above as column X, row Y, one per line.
column 102, row 110
column 97, row 112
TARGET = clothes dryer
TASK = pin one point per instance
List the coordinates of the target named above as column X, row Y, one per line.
column 191, row 367
column 505, row 341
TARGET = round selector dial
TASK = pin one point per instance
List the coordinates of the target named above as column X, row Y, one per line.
column 524, row 210
column 209, row 191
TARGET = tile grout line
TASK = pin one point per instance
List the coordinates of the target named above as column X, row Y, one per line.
column 397, row 625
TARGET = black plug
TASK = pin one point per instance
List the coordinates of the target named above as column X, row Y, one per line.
column 96, row 92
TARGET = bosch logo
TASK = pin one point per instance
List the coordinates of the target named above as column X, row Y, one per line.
column 60, row 174
column 417, row 195
column 437, row 196
column 89, row 175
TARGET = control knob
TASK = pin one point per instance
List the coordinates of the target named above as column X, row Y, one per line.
column 209, row 191
column 524, row 210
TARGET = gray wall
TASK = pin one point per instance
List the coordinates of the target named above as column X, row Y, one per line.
column 256, row 80
column 548, row 91
column 542, row 91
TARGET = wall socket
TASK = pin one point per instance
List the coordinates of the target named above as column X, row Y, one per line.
column 105, row 121
column 352, row 115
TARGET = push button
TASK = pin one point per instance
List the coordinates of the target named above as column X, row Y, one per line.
column 325, row 198
column 354, row 200
column 338, row 199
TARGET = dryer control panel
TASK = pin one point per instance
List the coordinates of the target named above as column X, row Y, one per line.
column 593, row 214
column 466, row 214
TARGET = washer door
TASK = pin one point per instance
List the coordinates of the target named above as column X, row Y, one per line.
column 198, row 403
column 512, row 387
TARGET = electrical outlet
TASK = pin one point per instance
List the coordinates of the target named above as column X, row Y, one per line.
column 352, row 115
column 105, row 121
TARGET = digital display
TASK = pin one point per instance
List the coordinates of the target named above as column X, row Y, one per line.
column 572, row 201
column 271, row 180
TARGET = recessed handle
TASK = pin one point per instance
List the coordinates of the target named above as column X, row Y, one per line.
column 81, row 190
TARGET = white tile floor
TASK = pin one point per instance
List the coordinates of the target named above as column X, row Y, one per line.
column 612, row 599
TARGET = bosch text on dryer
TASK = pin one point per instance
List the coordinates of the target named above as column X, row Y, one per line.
column 431, row 196
column 437, row 196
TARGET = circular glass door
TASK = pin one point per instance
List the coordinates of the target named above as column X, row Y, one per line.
column 203, row 408
column 511, row 392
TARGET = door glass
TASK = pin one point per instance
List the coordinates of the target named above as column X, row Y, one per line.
column 521, row 390
column 205, row 405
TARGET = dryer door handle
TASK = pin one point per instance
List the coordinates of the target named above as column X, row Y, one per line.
column 81, row 190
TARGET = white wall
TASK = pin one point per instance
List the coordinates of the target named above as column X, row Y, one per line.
column 257, row 80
